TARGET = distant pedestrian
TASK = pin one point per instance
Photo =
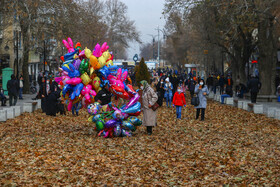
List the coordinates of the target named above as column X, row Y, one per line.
column 168, row 87
column 191, row 86
column 160, row 91
column 179, row 101
column 254, row 85
column 13, row 90
column 3, row 98
column 222, row 84
column 201, row 90
column 20, row 87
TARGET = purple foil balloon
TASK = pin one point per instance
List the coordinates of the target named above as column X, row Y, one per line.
column 132, row 101
column 77, row 63
column 110, row 124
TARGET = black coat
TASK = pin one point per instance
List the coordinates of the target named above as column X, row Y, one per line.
column 254, row 85
column 191, row 85
column 52, row 103
column 160, row 92
column 104, row 96
column 13, row 87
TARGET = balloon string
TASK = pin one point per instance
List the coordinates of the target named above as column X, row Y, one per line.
column 110, row 113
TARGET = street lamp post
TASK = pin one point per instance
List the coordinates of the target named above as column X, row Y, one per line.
column 158, row 29
column 153, row 44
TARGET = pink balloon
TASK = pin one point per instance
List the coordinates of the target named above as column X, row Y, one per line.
column 124, row 76
column 132, row 101
column 119, row 74
column 104, row 47
column 88, row 93
column 97, row 51
column 74, row 81
column 71, row 45
column 70, row 105
column 58, row 79
column 64, row 79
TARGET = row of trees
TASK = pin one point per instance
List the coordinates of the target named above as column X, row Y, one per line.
column 235, row 29
column 88, row 21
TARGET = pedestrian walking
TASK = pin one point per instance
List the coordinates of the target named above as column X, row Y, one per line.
column 168, row 87
column 254, row 85
column 201, row 90
column 13, row 90
column 160, row 91
column 191, row 86
column 179, row 101
column 149, row 98
column 222, row 84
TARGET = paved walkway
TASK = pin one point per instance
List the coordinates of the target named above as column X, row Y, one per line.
column 26, row 98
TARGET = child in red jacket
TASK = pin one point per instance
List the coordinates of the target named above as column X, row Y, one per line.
column 179, row 101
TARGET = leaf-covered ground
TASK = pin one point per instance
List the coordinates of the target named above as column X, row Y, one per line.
column 231, row 147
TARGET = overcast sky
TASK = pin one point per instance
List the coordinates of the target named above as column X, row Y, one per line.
column 147, row 15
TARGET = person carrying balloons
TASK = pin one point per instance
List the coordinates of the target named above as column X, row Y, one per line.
column 179, row 101
column 168, row 87
column 149, row 98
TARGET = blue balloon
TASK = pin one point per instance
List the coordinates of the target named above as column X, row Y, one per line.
column 104, row 72
column 70, row 56
column 77, row 90
column 67, row 88
column 113, row 68
column 72, row 72
column 67, row 62
column 128, row 126
column 133, row 109
column 134, row 120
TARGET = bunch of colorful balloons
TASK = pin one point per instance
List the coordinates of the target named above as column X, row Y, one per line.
column 82, row 75
column 117, row 121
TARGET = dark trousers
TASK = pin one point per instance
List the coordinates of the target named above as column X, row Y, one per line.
column 202, row 113
column 254, row 97
column 192, row 93
column 11, row 99
column 149, row 129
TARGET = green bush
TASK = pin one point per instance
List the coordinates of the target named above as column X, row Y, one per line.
column 142, row 72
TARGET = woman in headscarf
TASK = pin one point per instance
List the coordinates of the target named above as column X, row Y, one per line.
column 149, row 98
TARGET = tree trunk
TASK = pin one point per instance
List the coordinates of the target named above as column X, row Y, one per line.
column 25, row 39
column 267, row 60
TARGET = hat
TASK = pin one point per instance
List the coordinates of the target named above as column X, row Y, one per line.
column 167, row 79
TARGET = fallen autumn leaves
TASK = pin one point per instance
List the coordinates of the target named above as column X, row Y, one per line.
column 231, row 147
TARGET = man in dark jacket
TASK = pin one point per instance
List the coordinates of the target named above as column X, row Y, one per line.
column 104, row 95
column 222, row 84
column 160, row 91
column 210, row 82
column 191, row 86
column 254, row 85
column 13, row 90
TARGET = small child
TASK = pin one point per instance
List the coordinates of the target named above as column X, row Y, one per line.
column 179, row 101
